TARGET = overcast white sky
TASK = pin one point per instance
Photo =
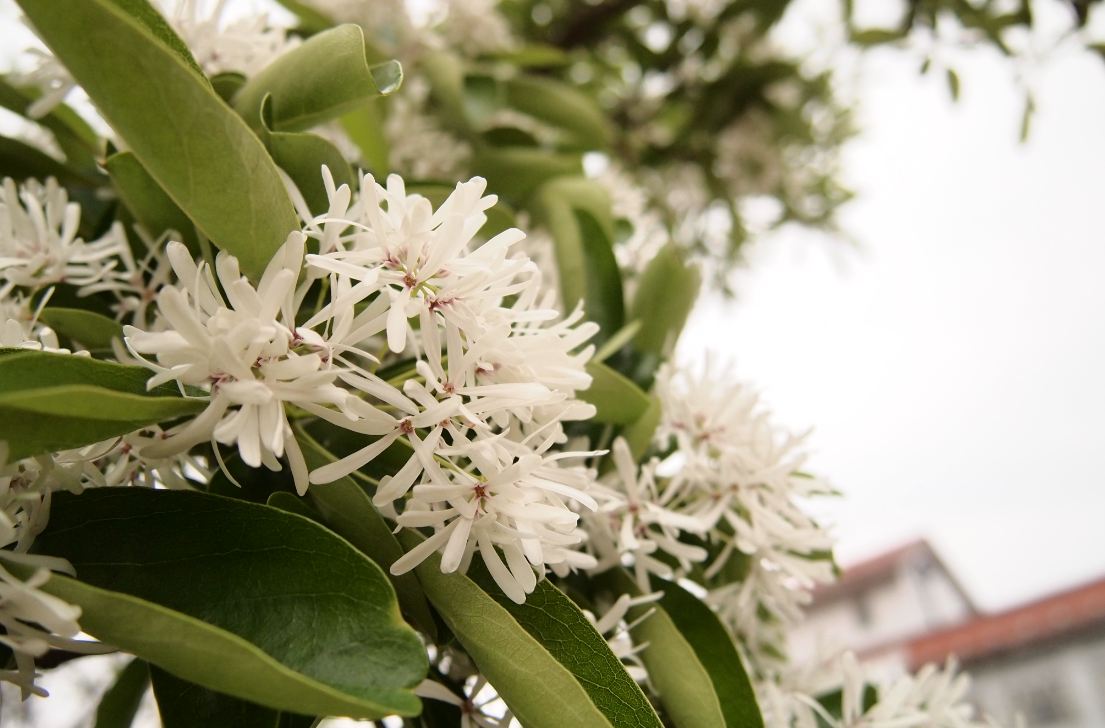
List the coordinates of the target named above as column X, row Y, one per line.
column 952, row 366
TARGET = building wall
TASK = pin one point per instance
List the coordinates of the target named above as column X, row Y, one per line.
column 1056, row 686
column 917, row 597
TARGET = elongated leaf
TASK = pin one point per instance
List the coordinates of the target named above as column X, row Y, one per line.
column 93, row 330
column 664, row 298
column 681, row 681
column 120, row 703
column 322, row 79
column 303, row 156
column 21, row 161
column 236, row 597
column 57, row 401
column 514, row 173
column 713, row 645
column 182, row 704
column 617, row 399
column 539, row 690
column 558, row 624
column 638, row 434
column 199, row 151
column 348, row 510
column 150, row 205
column 365, row 128
column 75, row 137
column 446, row 77
column 555, row 102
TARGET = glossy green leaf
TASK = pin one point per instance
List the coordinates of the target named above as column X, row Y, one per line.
column 150, row 205
column 616, row 398
column 347, row 509
column 713, row 645
column 558, row 624
column 237, row 597
column 665, row 296
column 53, row 402
column 120, row 703
column 680, row 680
column 93, row 330
column 538, row 688
column 322, row 79
column 199, row 151
column 556, row 103
column 182, row 704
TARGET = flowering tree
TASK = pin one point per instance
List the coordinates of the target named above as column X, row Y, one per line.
column 293, row 411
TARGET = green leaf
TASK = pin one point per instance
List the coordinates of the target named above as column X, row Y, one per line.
column 93, row 330
column 577, row 213
column 638, row 434
column 665, row 296
column 310, row 20
column 120, row 703
column 182, row 704
column 714, row 647
column 682, row 682
column 446, row 77
column 54, row 402
column 514, row 173
column 76, row 138
column 953, row 83
column 541, row 691
column 534, row 55
column 348, row 510
column 557, row 623
column 322, row 79
column 556, row 103
column 185, row 136
column 303, row 156
column 150, row 205
column 365, row 128
column 877, row 36
column 21, row 161
column 617, row 399
column 292, row 503
column 240, row 598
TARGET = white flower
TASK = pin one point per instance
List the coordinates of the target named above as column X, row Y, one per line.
column 244, row 352
column 39, row 245
column 480, row 706
column 244, row 45
column 633, row 522
column 617, row 632
column 519, row 505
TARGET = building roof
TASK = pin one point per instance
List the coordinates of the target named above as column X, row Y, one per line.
column 863, row 575
column 1037, row 622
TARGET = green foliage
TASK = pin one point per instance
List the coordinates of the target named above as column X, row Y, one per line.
column 326, row 77
column 183, row 134
column 241, row 598
column 120, row 703
column 148, row 203
column 617, row 399
column 55, row 401
column 537, row 669
column 94, row 331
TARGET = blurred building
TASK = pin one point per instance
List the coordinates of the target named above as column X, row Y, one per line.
column 1044, row 660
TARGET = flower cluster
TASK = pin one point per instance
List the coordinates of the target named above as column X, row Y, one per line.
column 934, row 697
column 40, row 245
column 492, row 371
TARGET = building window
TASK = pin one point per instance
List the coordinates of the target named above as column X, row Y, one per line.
column 1045, row 704
column 863, row 609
